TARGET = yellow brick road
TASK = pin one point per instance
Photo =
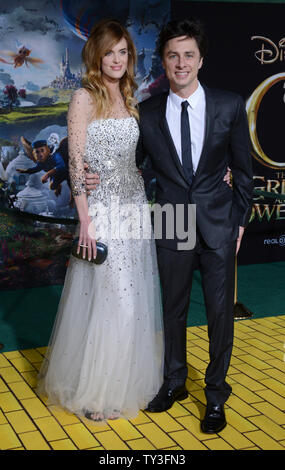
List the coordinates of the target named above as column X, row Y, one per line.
column 255, row 410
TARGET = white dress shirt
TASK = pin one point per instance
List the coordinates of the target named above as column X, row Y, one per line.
column 196, row 112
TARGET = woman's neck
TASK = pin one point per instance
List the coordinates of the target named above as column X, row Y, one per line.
column 113, row 87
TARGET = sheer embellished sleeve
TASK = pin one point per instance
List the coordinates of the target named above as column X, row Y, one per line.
column 77, row 121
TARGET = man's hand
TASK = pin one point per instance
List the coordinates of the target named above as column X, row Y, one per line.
column 228, row 177
column 91, row 179
column 241, row 232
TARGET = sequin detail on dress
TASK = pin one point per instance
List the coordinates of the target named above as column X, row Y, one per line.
column 115, row 142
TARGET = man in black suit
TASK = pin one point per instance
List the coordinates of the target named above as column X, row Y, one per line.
column 190, row 136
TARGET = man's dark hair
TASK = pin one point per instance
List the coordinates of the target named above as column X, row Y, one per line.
column 189, row 27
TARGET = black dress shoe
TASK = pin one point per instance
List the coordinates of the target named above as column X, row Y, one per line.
column 166, row 397
column 214, row 420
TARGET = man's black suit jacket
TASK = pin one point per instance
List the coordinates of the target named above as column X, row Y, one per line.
column 220, row 210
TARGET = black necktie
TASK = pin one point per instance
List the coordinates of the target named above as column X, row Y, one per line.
column 186, row 142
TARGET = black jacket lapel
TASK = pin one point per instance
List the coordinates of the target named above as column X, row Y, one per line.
column 166, row 132
column 210, row 118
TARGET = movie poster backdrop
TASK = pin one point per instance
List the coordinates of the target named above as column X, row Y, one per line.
column 40, row 67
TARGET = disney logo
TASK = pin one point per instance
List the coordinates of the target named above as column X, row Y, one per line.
column 269, row 52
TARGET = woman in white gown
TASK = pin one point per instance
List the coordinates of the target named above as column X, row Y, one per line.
column 105, row 356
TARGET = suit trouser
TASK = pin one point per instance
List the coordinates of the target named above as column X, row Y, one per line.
column 217, row 273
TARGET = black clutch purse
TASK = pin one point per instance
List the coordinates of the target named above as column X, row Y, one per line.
column 102, row 252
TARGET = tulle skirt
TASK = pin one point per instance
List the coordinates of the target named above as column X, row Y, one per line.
column 106, row 350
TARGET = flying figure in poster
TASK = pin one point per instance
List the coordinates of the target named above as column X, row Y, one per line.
column 21, row 57
column 54, row 164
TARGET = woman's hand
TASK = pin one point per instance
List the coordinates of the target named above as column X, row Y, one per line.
column 86, row 242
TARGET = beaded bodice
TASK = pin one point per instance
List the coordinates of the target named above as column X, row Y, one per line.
column 108, row 146
column 110, row 152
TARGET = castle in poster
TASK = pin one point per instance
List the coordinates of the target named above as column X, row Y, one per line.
column 66, row 78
